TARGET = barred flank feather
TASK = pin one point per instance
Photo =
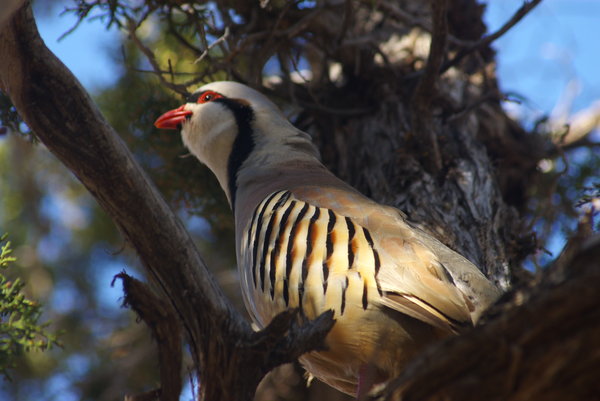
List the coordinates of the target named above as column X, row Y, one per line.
column 305, row 239
column 295, row 246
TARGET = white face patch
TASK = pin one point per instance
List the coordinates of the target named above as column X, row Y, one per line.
column 209, row 135
column 220, row 110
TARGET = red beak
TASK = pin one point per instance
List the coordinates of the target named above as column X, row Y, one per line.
column 172, row 119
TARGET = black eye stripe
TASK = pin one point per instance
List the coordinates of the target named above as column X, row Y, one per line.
column 193, row 98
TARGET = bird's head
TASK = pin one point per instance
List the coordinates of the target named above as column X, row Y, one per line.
column 231, row 127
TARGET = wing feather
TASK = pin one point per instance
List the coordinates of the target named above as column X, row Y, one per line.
column 410, row 276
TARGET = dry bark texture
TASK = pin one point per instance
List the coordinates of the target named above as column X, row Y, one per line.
column 545, row 349
column 465, row 182
column 53, row 103
column 439, row 147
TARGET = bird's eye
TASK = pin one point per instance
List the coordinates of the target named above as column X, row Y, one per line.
column 209, row 96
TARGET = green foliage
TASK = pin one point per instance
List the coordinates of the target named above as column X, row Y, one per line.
column 131, row 106
column 20, row 330
column 70, row 249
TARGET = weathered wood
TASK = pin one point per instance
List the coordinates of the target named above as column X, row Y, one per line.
column 541, row 346
column 462, row 204
column 547, row 347
column 165, row 326
column 56, row 107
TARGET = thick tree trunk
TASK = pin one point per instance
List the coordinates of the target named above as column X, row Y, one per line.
column 461, row 203
column 439, row 147
column 547, row 348
column 55, row 106
column 541, row 345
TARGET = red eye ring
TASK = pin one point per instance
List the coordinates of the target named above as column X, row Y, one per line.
column 209, row 96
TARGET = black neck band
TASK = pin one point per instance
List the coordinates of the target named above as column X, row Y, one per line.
column 243, row 144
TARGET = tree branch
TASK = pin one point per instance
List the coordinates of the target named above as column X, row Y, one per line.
column 517, row 16
column 513, row 357
column 61, row 114
column 543, row 345
column 220, row 40
column 410, row 21
column 421, row 117
column 582, row 124
column 163, row 321
column 132, row 28
column 8, row 9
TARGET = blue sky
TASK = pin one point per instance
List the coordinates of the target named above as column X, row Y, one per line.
column 551, row 49
column 86, row 51
column 554, row 45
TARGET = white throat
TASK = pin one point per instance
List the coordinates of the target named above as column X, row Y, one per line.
column 249, row 131
column 214, row 143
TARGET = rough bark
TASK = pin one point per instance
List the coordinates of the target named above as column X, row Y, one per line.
column 165, row 326
column 438, row 147
column 465, row 200
column 544, row 346
column 55, row 106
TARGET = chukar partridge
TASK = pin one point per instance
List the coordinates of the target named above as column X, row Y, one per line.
column 305, row 239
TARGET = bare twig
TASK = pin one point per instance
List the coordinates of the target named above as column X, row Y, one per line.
column 81, row 11
column 199, row 23
column 221, row 39
column 485, row 41
column 493, row 96
column 181, row 39
column 582, row 124
column 421, row 116
column 289, row 335
column 410, row 21
column 169, row 71
column 163, row 321
column 437, row 49
column 181, row 89
column 222, row 343
column 289, row 33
